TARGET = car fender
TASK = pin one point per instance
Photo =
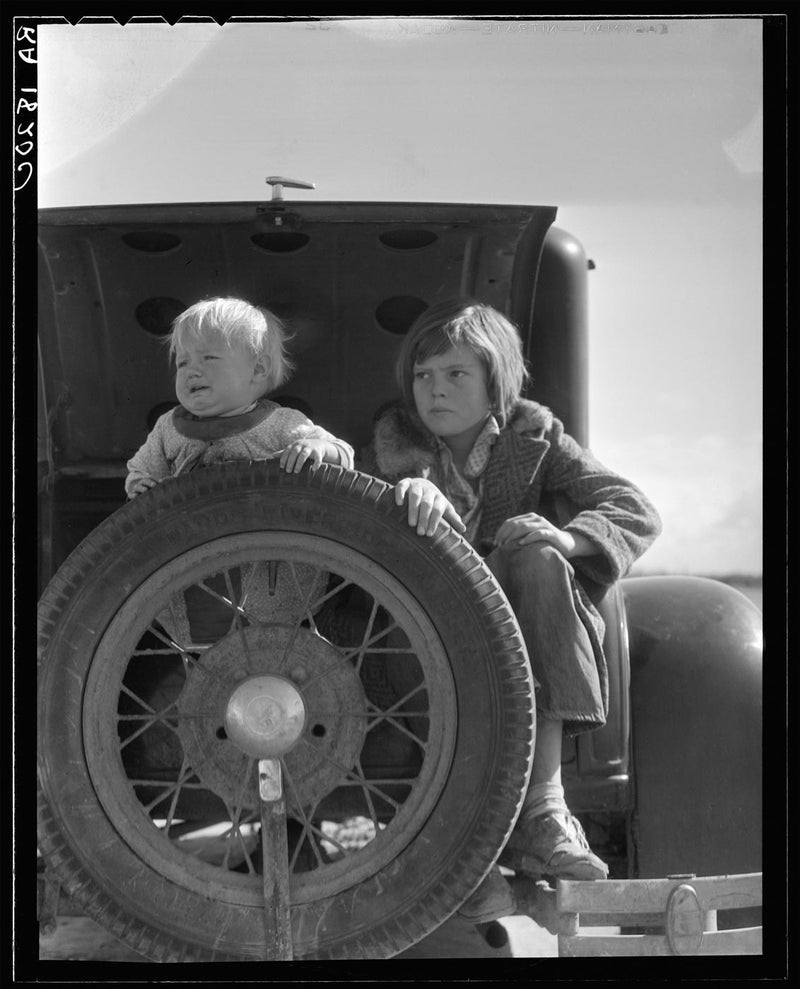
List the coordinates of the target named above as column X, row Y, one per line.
column 696, row 726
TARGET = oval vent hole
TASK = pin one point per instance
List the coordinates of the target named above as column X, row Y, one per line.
column 283, row 242
column 395, row 315
column 156, row 315
column 407, row 240
column 152, row 241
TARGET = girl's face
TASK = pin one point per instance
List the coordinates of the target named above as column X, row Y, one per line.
column 214, row 379
column 451, row 395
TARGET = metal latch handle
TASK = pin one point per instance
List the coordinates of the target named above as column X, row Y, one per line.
column 278, row 182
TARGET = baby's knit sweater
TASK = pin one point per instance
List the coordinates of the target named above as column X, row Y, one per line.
column 167, row 452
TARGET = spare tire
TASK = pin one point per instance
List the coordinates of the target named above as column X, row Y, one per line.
column 418, row 735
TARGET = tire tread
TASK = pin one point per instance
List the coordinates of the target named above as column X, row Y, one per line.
column 514, row 684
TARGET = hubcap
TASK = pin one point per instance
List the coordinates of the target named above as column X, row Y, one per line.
column 265, row 716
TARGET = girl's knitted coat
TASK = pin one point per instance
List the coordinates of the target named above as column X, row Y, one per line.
column 536, row 467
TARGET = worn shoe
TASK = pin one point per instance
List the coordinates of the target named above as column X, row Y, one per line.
column 554, row 846
column 493, row 899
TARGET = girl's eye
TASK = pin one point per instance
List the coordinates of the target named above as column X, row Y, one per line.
column 420, row 375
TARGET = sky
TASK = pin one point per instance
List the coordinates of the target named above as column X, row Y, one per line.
column 646, row 134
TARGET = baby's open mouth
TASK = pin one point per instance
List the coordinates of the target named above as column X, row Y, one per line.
column 196, row 388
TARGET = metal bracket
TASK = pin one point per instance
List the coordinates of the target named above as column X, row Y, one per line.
column 684, row 921
column 536, row 899
column 275, row 862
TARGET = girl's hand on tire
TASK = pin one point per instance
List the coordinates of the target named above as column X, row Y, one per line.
column 427, row 506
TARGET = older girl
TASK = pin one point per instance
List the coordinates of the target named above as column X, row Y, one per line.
column 556, row 527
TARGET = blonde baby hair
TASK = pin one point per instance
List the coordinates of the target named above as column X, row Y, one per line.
column 242, row 325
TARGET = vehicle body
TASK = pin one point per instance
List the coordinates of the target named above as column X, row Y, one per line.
column 672, row 783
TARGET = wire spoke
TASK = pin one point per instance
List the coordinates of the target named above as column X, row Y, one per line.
column 348, row 655
column 237, row 833
column 307, row 606
column 348, row 774
column 235, row 813
column 328, row 837
column 152, row 781
column 250, row 570
column 125, row 689
column 183, row 779
column 397, row 704
column 368, row 799
column 377, row 715
column 402, row 729
column 230, row 602
column 149, row 720
column 190, row 662
column 238, row 610
column 251, row 666
column 174, row 802
column 391, row 714
column 386, row 650
column 339, row 712
column 139, row 653
column 344, row 583
column 368, row 646
column 378, row 781
column 367, row 633
column 304, row 614
column 163, row 636
column 305, row 833
column 238, row 800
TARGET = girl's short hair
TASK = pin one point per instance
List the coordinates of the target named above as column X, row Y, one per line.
column 487, row 332
column 242, row 325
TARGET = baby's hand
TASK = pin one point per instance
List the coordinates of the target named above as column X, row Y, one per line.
column 142, row 485
column 426, row 505
column 296, row 454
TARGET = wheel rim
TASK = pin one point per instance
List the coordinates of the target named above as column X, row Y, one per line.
column 157, row 754
column 107, row 732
